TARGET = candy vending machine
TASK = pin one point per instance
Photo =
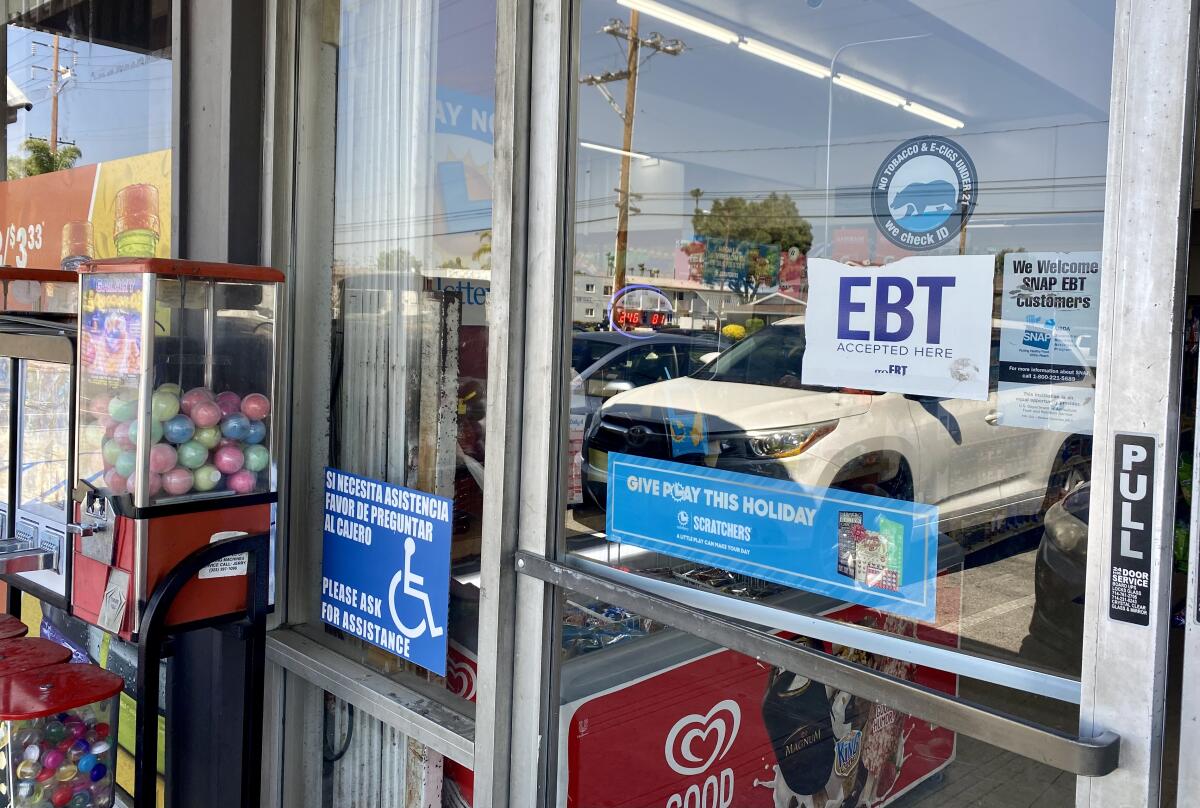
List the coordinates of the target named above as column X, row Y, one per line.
column 174, row 433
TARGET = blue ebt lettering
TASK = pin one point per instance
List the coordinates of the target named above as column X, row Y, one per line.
column 892, row 319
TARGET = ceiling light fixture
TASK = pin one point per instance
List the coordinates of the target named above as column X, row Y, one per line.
column 869, row 90
column 667, row 14
column 615, row 150
column 784, row 58
column 933, row 115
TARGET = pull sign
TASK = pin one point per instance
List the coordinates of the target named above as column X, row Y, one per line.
column 1133, row 517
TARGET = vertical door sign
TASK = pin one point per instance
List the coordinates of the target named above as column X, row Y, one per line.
column 1133, row 517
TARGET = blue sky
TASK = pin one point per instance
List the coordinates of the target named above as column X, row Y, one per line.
column 117, row 104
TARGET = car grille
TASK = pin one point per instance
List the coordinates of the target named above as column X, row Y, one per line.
column 636, row 437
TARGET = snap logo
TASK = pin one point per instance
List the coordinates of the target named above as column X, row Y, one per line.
column 696, row 741
column 924, row 193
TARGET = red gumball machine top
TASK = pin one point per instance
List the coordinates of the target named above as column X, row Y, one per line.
column 176, row 379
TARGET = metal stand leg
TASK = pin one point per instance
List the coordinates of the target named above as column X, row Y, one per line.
column 150, row 645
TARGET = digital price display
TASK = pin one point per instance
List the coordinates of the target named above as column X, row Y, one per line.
column 639, row 308
column 633, row 318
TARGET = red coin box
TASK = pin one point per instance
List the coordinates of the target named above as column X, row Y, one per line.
column 58, row 725
column 30, row 653
column 11, row 627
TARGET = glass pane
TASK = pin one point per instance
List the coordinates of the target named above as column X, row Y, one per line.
column 5, row 403
column 884, row 277
column 408, row 282
column 692, row 724
column 89, row 101
column 45, row 426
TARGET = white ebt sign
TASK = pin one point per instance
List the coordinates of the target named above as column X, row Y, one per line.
column 920, row 326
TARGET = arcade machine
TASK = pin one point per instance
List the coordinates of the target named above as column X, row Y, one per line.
column 37, row 386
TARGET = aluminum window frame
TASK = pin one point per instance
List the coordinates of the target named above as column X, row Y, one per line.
column 299, row 131
column 1150, row 152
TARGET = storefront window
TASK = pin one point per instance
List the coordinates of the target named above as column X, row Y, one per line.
column 875, row 236
column 89, row 155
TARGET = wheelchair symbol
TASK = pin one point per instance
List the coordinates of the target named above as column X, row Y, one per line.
column 412, row 583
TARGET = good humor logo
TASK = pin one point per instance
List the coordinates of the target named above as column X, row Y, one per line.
column 697, row 742
column 924, row 192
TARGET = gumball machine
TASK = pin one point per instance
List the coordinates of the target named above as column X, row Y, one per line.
column 174, row 431
column 58, row 732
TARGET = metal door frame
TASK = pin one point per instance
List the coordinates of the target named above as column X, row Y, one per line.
column 1147, row 213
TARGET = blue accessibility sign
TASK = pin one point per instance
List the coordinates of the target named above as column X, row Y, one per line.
column 858, row 548
column 385, row 575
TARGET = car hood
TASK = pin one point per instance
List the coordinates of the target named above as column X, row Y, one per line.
column 732, row 407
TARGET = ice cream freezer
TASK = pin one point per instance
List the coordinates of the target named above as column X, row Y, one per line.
column 689, row 723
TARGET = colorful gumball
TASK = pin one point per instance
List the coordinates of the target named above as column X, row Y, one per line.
column 115, row 483
column 88, row 762
column 154, row 481
column 163, row 458
column 229, row 402
column 156, row 431
column 28, row 769
column 62, row 795
column 242, row 482
column 236, row 426
column 256, row 406
column 110, row 450
column 206, row 413
column 122, row 409
column 170, row 387
column 193, row 397
column 207, row 478
column 192, row 455
column 208, row 437
column 179, row 429
column 102, row 731
column 257, row 457
column 98, row 405
column 53, row 759
column 97, row 773
column 121, row 436
column 164, row 406
column 125, row 463
column 228, row 459
column 176, row 482
column 257, row 432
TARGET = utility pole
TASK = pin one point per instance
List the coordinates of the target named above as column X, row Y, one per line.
column 626, row 144
column 634, row 45
column 54, row 103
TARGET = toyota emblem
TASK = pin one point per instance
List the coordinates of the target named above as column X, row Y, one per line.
column 637, row 436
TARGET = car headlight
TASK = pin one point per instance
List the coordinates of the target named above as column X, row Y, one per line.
column 780, row 443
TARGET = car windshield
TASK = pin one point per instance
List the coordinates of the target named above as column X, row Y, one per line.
column 773, row 356
column 586, row 351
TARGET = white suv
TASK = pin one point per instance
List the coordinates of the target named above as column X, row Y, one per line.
column 747, row 411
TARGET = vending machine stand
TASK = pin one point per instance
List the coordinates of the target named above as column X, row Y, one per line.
column 152, row 647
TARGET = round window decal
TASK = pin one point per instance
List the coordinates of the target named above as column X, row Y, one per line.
column 638, row 308
column 924, row 192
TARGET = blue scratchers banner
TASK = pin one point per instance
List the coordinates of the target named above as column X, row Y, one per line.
column 385, row 574
column 858, row 548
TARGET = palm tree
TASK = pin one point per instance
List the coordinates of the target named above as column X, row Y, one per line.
column 483, row 254
column 42, row 159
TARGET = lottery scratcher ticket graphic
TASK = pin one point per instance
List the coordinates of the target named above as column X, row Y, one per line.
column 870, row 557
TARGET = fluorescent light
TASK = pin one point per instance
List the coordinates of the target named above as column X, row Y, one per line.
column 933, row 115
column 614, row 150
column 868, row 89
column 677, row 17
column 784, row 58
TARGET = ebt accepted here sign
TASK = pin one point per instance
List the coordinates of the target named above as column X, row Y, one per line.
column 920, row 326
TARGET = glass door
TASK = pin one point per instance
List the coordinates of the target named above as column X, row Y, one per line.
column 834, row 277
